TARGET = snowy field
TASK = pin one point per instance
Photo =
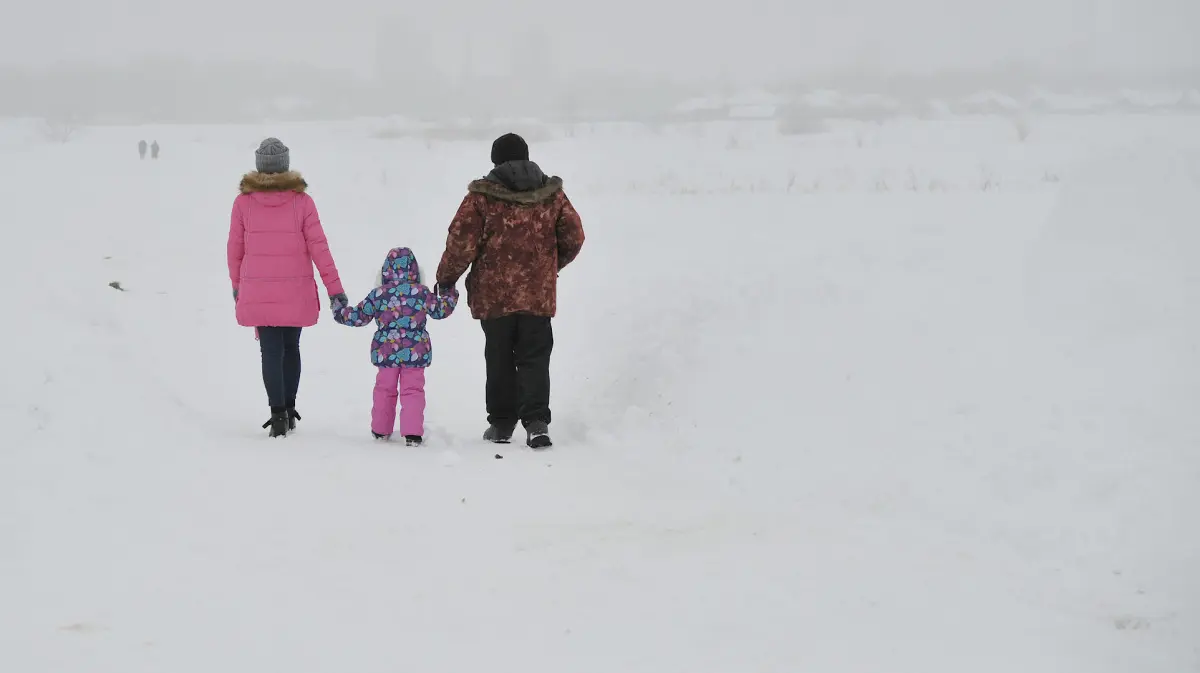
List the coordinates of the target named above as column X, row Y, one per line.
column 904, row 397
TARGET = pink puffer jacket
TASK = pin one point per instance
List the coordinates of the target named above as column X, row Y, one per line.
column 275, row 237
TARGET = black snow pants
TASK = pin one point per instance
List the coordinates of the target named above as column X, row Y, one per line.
column 517, row 352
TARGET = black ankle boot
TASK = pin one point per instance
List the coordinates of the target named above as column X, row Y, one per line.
column 278, row 422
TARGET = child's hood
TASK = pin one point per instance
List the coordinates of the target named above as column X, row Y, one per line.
column 400, row 267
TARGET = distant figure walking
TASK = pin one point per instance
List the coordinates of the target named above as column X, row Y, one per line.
column 142, row 149
column 154, row 150
column 275, row 236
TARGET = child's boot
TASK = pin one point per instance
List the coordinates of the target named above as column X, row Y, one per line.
column 413, row 440
column 382, row 438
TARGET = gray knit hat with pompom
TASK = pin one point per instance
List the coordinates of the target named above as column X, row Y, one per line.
column 272, row 156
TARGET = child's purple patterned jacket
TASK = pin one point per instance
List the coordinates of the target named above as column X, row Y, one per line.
column 399, row 307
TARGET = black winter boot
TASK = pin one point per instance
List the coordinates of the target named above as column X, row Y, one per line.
column 278, row 422
column 413, row 440
column 498, row 435
column 537, row 435
column 382, row 438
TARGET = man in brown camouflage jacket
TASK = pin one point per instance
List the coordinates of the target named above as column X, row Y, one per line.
column 516, row 230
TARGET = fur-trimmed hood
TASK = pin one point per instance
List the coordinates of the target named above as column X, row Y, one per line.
column 290, row 181
column 518, row 182
column 554, row 185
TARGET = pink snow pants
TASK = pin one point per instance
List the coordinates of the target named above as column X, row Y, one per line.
column 409, row 386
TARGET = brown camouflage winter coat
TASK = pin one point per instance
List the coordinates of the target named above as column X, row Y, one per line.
column 516, row 230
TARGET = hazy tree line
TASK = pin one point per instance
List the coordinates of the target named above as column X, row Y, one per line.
column 168, row 91
column 178, row 91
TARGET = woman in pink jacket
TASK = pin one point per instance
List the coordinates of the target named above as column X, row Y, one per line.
column 275, row 237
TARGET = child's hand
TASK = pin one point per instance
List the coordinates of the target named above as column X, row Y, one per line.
column 441, row 302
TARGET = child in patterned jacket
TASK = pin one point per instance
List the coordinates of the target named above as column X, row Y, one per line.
column 401, row 348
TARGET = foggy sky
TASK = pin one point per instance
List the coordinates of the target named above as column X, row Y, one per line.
column 742, row 39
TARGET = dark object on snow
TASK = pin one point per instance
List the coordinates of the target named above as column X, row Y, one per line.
column 116, row 286
column 154, row 150
column 498, row 457
column 278, row 422
column 141, row 149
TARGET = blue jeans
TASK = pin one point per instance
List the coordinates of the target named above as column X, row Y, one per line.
column 280, row 348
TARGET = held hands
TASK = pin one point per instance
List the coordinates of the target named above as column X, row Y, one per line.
column 338, row 300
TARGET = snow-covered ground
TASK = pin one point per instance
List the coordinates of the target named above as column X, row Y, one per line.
column 809, row 416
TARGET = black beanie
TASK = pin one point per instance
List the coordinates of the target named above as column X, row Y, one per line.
column 509, row 147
